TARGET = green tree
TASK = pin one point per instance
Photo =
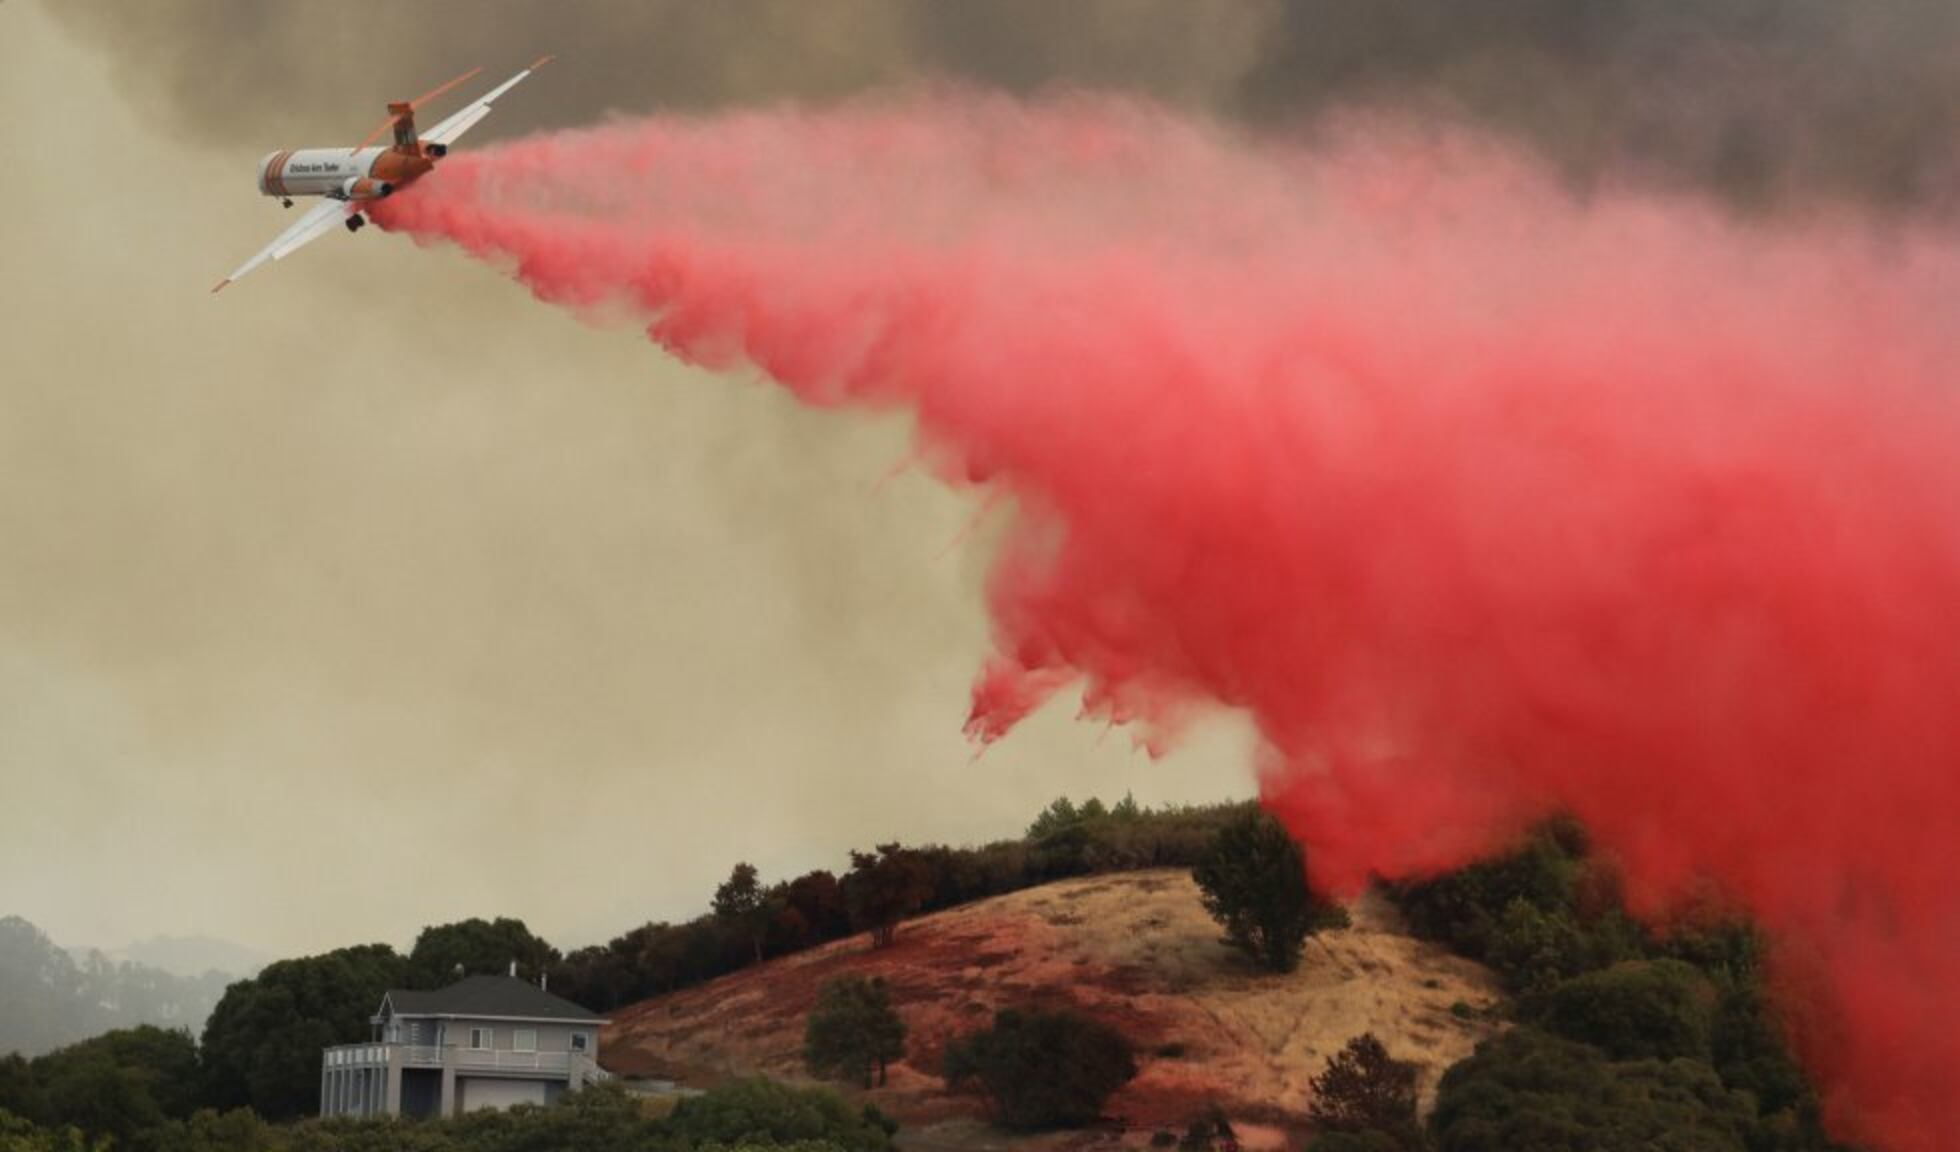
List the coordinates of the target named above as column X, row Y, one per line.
column 1042, row 1069
column 1641, row 1010
column 853, row 1031
column 811, row 911
column 476, row 947
column 105, row 1101
column 1535, row 949
column 17, row 1134
column 885, row 887
column 121, row 1086
column 1529, row 1089
column 1254, row 882
column 1466, row 908
column 1059, row 816
column 239, row 1130
column 1753, row 1054
column 262, row 1044
column 1366, row 1091
column 765, row 1112
column 20, row 1092
column 743, row 905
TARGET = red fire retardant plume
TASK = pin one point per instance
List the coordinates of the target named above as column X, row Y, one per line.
column 1484, row 499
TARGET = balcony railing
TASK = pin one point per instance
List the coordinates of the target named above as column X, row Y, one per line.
column 380, row 1054
column 513, row 1061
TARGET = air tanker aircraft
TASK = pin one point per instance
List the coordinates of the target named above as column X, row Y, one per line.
column 348, row 178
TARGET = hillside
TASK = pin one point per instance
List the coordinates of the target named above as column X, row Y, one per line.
column 1135, row 950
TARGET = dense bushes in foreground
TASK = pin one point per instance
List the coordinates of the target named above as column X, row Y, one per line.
column 746, row 1114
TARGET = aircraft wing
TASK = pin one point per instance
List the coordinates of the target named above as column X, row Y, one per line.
column 469, row 115
column 315, row 223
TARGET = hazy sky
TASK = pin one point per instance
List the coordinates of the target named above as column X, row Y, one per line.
column 372, row 594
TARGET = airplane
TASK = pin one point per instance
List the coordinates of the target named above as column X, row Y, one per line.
column 347, row 179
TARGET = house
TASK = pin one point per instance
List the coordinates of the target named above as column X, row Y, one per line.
column 482, row 1042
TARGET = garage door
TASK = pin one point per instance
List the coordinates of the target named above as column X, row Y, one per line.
column 479, row 1093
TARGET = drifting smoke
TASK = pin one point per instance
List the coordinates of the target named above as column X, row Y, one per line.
column 1482, row 501
column 1765, row 103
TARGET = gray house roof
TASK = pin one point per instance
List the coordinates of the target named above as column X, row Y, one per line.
column 493, row 997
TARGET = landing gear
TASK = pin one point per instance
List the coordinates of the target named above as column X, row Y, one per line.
column 356, row 222
column 286, row 202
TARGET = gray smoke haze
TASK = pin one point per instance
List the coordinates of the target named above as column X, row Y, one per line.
column 376, row 595
column 1765, row 101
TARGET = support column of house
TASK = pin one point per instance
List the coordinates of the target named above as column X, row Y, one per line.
column 391, row 1104
column 447, row 1105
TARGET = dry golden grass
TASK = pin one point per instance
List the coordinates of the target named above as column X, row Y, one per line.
column 1135, row 950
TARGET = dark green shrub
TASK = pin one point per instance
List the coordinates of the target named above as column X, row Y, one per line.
column 853, row 1032
column 1643, row 1010
column 1364, row 1142
column 1531, row 1090
column 762, row 1111
column 1042, row 1069
column 1365, row 1091
column 1254, row 883
column 1463, row 908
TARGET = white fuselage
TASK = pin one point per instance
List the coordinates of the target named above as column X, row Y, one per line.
column 342, row 173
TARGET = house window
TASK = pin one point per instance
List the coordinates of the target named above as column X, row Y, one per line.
column 480, row 1039
column 581, row 1042
column 524, row 1040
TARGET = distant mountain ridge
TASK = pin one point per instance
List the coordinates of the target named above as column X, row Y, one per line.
column 50, row 997
column 186, row 956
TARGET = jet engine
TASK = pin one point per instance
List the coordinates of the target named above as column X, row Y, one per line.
column 362, row 188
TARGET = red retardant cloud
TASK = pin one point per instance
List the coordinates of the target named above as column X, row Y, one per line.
column 1484, row 500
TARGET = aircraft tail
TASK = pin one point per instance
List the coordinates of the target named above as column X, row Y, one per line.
column 403, row 116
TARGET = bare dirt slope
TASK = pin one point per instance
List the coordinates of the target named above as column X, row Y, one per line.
column 1135, row 950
